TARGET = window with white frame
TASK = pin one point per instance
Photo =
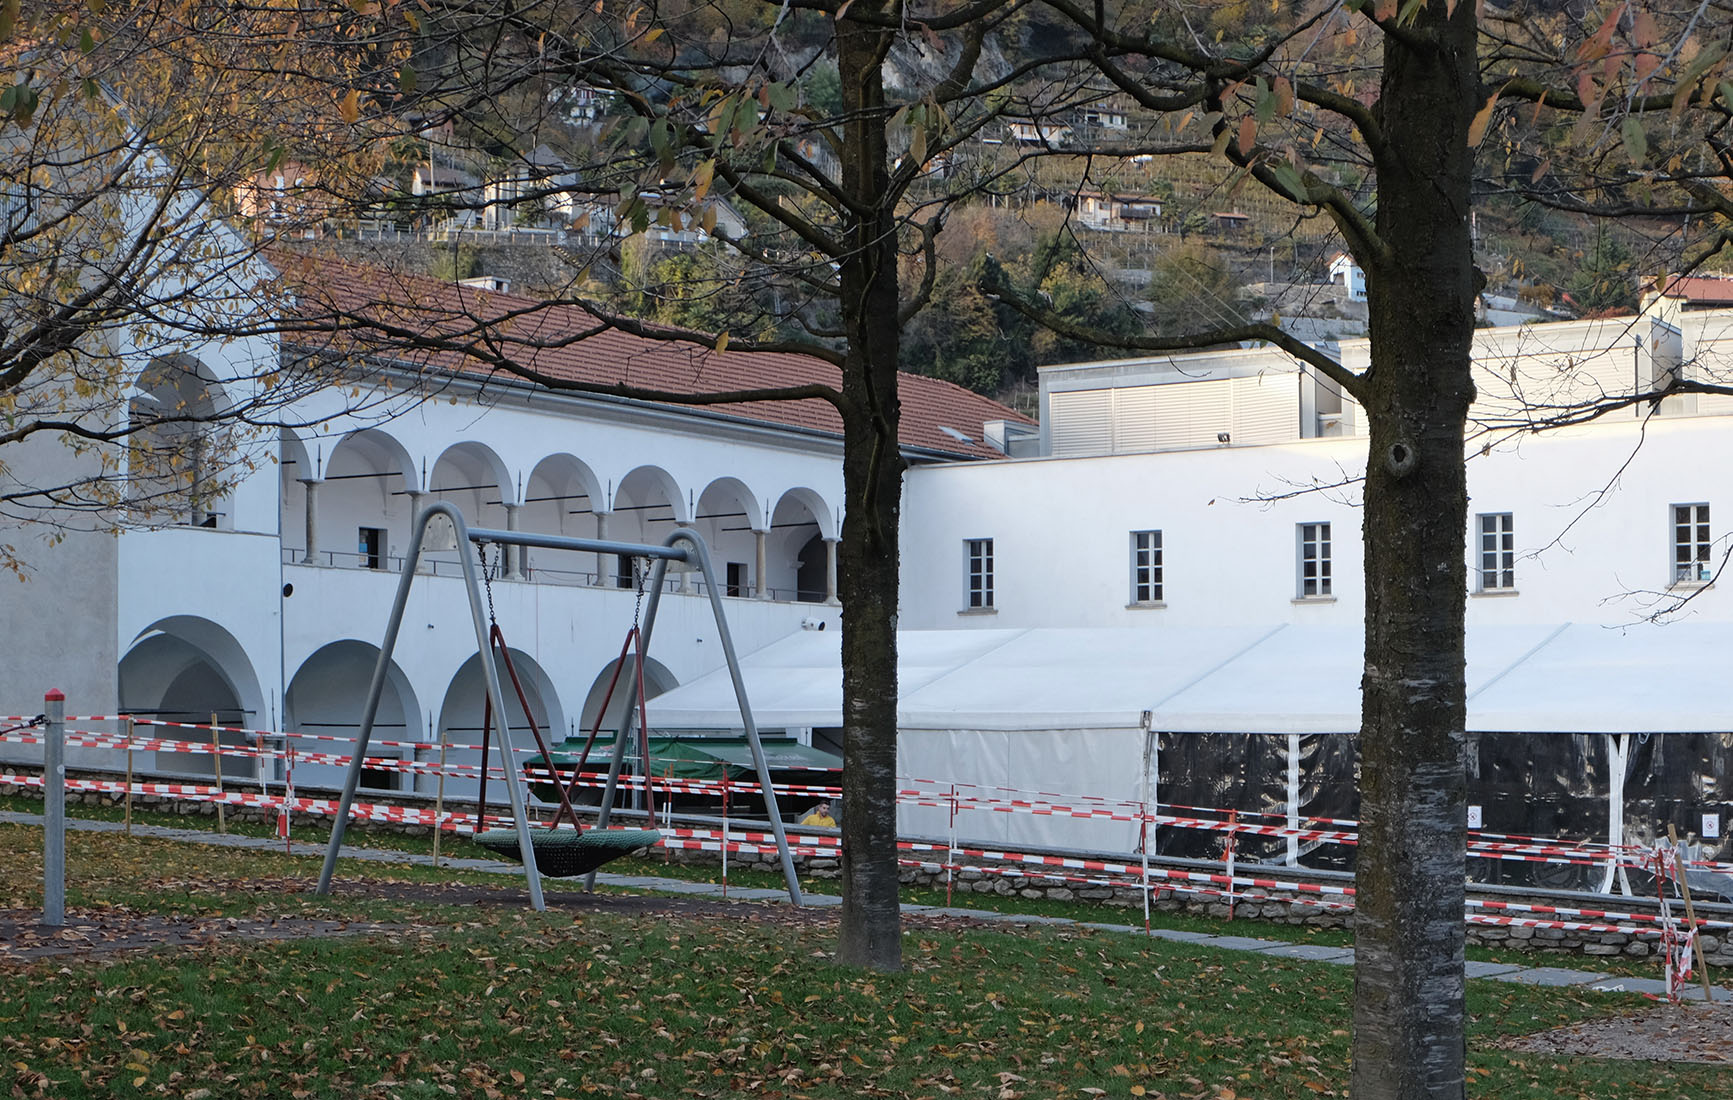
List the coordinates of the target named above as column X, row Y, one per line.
column 1145, row 567
column 1497, row 552
column 1314, row 571
column 1691, row 544
column 978, row 569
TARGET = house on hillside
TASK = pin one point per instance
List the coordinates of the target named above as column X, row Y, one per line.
column 446, row 185
column 535, row 191
column 287, row 196
column 1347, row 274
column 1044, row 132
column 1669, row 295
column 1112, row 212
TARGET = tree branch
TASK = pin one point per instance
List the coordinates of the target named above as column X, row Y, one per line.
column 993, row 284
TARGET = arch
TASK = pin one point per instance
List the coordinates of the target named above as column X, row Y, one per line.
column 181, row 462
column 730, row 521
column 811, row 568
column 193, row 386
column 732, row 494
column 652, row 489
column 185, row 669
column 294, row 458
column 561, row 497
column 476, row 465
column 375, row 450
column 294, row 466
column 647, row 505
column 798, row 564
column 460, row 717
column 657, row 679
column 325, row 698
column 802, row 498
column 365, row 488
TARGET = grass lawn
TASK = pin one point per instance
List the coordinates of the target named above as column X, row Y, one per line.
column 485, row 1001
column 749, row 876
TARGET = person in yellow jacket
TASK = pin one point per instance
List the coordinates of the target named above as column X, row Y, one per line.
column 820, row 817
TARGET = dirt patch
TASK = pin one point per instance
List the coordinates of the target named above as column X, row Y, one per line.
column 1691, row 1032
column 106, row 932
column 111, row 931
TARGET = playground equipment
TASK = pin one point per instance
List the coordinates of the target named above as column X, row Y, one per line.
column 681, row 545
column 577, row 851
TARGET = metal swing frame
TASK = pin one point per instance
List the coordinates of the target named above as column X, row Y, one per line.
column 682, row 545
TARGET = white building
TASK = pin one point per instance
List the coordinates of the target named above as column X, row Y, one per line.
column 1222, row 487
column 266, row 607
column 1344, row 272
column 1174, row 586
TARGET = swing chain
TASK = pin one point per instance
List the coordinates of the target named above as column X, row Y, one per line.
column 487, row 580
column 640, row 574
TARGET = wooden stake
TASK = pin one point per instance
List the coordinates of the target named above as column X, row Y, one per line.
column 439, row 800
column 129, row 775
column 217, row 762
column 1690, row 915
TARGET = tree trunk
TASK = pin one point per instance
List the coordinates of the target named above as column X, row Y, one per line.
column 1409, row 928
column 872, row 488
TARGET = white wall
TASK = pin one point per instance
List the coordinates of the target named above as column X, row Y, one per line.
column 227, row 588
column 1591, row 508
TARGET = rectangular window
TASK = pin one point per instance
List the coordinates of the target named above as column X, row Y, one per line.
column 1691, row 544
column 371, row 547
column 1146, row 567
column 623, row 575
column 1497, row 552
column 978, row 555
column 737, row 578
column 1314, row 573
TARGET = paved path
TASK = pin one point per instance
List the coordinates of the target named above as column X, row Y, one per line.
column 1341, row 956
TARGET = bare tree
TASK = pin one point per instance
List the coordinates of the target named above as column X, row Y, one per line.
column 138, row 370
column 788, row 113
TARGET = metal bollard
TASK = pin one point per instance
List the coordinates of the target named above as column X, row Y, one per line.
column 54, row 809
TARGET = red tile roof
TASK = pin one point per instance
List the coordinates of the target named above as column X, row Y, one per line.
column 1708, row 290
column 564, row 341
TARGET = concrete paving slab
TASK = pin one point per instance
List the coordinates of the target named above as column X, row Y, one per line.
column 1239, row 943
column 1550, row 976
column 1178, row 936
column 1314, row 952
column 1654, row 987
column 1488, row 970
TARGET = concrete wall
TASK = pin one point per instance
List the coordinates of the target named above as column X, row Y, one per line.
column 57, row 623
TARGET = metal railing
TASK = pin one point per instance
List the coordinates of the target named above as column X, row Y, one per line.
column 431, row 566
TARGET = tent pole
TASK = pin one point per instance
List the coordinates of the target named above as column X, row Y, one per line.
column 1146, row 825
column 1293, row 800
column 1618, row 755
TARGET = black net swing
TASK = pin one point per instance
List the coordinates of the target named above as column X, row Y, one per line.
column 560, row 852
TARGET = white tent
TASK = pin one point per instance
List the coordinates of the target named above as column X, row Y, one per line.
column 1065, row 711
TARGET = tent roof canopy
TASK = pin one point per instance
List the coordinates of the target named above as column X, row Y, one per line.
column 1544, row 678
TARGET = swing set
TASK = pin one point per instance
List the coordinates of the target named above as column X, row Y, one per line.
column 563, row 851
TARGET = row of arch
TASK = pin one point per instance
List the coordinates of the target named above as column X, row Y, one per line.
column 354, row 506
column 367, row 490
column 187, row 669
